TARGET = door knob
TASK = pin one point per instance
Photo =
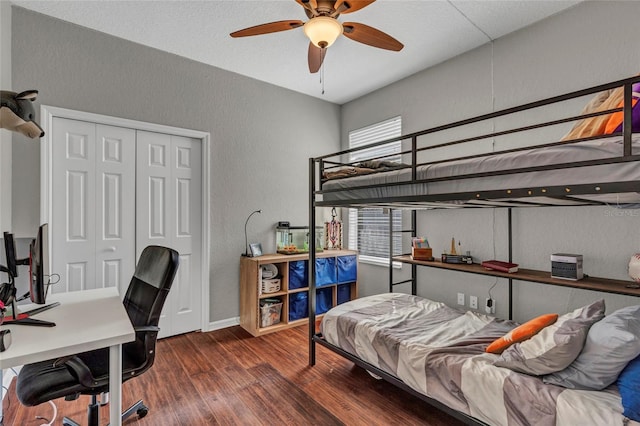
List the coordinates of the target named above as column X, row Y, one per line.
column 112, row 248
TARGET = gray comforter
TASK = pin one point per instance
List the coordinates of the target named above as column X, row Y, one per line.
column 439, row 352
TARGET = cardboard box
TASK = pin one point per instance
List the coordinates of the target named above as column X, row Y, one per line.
column 421, row 253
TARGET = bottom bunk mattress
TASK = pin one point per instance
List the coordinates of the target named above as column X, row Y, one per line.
column 440, row 352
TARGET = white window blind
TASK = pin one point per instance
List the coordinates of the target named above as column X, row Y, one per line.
column 369, row 227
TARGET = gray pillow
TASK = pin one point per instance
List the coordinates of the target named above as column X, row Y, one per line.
column 555, row 346
column 610, row 345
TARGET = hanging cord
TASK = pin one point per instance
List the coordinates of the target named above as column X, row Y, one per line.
column 322, row 53
column 495, row 282
column 50, row 283
column 493, row 149
column 493, row 102
column 55, row 414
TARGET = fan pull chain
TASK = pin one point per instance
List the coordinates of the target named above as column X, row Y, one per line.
column 322, row 76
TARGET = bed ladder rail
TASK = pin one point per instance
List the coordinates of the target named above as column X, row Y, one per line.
column 414, row 268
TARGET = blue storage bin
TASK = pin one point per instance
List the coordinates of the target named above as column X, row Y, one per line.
column 347, row 269
column 298, row 306
column 323, row 300
column 298, row 274
column 344, row 293
column 326, row 271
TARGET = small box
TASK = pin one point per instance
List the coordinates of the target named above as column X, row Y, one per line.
column 566, row 266
column 421, row 253
column 270, row 285
column 270, row 313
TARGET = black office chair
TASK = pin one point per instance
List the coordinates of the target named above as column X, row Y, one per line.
column 88, row 373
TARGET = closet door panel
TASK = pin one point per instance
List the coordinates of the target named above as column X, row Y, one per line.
column 73, row 208
column 115, row 206
column 169, row 214
column 187, row 234
column 154, row 202
column 93, row 207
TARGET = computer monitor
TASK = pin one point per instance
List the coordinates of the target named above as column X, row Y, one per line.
column 10, row 254
column 39, row 274
column 39, row 265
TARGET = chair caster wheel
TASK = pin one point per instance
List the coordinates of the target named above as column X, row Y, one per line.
column 142, row 411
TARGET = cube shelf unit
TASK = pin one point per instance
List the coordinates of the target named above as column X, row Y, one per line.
column 336, row 278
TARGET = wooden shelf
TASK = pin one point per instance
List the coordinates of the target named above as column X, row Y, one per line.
column 275, row 294
column 542, row 277
column 250, row 285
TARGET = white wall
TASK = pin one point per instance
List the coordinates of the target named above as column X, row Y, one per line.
column 590, row 44
column 5, row 135
column 261, row 136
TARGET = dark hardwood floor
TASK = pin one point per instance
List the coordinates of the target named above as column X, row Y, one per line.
column 228, row 377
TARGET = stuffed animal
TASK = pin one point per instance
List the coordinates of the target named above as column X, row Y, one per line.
column 17, row 113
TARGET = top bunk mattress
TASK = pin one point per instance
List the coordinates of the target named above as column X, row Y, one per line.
column 583, row 151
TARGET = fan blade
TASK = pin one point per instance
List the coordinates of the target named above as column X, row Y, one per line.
column 368, row 35
column 351, row 5
column 315, row 57
column 271, row 27
column 308, row 4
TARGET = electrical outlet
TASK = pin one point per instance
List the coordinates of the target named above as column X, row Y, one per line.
column 490, row 306
column 473, row 302
column 461, row 299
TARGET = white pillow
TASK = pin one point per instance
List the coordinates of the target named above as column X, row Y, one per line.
column 611, row 343
column 555, row 346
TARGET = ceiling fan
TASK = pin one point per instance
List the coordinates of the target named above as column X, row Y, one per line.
column 323, row 28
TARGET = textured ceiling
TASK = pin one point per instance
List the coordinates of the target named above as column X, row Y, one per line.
column 431, row 30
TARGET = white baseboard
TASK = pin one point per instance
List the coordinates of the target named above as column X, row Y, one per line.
column 218, row 325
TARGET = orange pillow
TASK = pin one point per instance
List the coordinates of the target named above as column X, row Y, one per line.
column 614, row 124
column 522, row 332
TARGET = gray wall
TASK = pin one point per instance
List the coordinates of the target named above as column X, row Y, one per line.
column 590, row 44
column 261, row 135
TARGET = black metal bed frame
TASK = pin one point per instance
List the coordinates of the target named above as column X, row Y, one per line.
column 515, row 197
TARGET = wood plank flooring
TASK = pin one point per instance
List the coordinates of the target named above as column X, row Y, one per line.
column 228, row 377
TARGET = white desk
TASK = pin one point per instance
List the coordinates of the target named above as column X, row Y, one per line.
column 85, row 320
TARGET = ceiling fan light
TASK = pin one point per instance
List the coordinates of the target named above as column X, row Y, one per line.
column 323, row 31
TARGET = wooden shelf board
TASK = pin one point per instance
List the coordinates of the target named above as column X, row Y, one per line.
column 274, row 294
column 542, row 277
column 280, row 258
column 274, row 327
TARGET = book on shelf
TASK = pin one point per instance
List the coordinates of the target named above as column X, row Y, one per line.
column 498, row 265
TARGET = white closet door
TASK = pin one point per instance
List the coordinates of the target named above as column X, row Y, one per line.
column 115, row 207
column 169, row 210
column 93, row 209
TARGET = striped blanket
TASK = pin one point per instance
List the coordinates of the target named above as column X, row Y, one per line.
column 439, row 352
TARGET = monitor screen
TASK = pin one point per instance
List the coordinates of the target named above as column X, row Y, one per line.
column 39, row 265
column 10, row 253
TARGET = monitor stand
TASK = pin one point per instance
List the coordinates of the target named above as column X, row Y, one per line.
column 24, row 318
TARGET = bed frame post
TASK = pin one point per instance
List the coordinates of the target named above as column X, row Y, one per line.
column 414, row 221
column 414, row 267
column 390, row 210
column 510, row 225
column 312, row 262
column 626, row 120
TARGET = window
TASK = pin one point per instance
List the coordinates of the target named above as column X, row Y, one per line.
column 369, row 227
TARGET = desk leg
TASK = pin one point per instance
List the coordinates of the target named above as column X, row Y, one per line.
column 115, row 385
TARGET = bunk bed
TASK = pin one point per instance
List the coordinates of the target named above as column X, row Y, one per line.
column 596, row 163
